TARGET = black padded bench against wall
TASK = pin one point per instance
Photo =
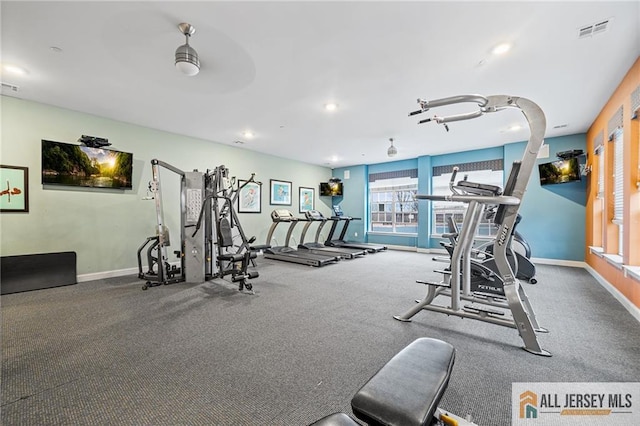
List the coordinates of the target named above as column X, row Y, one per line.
column 37, row 271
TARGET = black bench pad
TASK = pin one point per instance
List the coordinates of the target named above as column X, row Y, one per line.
column 336, row 419
column 406, row 390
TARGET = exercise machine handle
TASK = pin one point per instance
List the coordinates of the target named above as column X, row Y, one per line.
column 425, row 105
column 452, row 181
column 500, row 199
column 477, row 99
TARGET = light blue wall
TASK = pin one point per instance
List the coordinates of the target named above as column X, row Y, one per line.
column 553, row 216
column 105, row 227
column 424, row 212
column 354, row 201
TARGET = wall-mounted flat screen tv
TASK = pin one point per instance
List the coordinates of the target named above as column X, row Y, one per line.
column 331, row 189
column 561, row 171
column 79, row 165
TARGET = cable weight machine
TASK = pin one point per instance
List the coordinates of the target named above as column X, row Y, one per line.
column 208, row 222
column 457, row 285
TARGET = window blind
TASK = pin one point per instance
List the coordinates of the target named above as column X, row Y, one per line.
column 497, row 164
column 598, row 143
column 618, row 181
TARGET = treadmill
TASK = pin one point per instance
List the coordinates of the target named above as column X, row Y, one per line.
column 289, row 254
column 317, row 247
column 340, row 241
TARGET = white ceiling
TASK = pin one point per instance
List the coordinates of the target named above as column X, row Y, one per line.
column 270, row 67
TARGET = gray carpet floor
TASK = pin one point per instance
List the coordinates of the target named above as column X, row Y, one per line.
column 106, row 352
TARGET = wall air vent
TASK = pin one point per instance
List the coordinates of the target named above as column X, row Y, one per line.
column 594, row 29
column 600, row 27
column 11, row 87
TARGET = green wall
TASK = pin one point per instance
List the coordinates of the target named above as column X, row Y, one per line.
column 106, row 227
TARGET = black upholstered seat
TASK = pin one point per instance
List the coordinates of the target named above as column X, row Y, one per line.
column 406, row 390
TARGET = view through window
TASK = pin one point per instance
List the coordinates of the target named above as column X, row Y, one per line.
column 392, row 204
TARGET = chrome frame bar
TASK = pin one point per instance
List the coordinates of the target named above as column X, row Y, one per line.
column 523, row 317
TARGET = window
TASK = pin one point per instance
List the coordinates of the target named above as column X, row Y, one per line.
column 392, row 204
column 487, row 172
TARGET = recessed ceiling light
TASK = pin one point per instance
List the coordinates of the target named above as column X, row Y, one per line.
column 331, row 106
column 14, row 69
column 55, row 49
column 247, row 134
column 501, row 48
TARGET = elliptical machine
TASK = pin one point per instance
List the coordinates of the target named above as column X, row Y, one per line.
column 520, row 248
column 484, row 276
column 482, row 254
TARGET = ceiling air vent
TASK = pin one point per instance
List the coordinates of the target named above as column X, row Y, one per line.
column 594, row 29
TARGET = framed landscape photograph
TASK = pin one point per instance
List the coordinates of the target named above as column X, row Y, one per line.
column 280, row 192
column 14, row 189
column 307, row 196
column 249, row 197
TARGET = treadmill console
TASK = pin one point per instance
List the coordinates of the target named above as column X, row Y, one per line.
column 282, row 215
column 313, row 215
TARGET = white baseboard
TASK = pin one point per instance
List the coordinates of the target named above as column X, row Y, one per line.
column 559, row 262
column 633, row 309
column 432, row 251
column 107, row 274
column 401, row 248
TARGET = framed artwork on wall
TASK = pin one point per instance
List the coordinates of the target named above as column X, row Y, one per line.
column 14, row 189
column 249, row 197
column 307, row 197
column 280, row 192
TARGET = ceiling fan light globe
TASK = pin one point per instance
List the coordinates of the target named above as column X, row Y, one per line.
column 187, row 60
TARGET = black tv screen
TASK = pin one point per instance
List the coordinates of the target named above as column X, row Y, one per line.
column 561, row 171
column 331, row 189
column 79, row 165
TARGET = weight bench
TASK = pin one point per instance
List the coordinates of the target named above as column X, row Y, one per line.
column 406, row 390
column 238, row 274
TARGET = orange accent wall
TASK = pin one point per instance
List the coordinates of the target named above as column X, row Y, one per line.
column 595, row 221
